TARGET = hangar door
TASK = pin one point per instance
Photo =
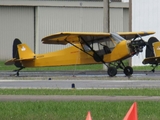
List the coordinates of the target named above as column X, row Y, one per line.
column 60, row 19
column 15, row 22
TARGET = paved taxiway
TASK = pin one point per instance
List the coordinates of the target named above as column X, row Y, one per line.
column 80, row 84
column 82, row 81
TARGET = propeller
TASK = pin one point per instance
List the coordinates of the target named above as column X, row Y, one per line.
column 137, row 44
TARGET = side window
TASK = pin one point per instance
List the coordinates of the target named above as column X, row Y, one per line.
column 100, row 43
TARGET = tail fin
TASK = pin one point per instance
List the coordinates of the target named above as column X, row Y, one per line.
column 149, row 48
column 156, row 47
column 20, row 52
column 15, row 50
column 15, row 53
column 25, row 52
column 152, row 52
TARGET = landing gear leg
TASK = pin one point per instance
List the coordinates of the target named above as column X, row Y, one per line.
column 17, row 74
column 154, row 67
column 128, row 71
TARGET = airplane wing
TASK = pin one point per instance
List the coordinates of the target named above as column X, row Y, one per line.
column 131, row 35
column 76, row 37
column 73, row 37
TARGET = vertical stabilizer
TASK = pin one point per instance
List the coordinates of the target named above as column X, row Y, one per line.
column 15, row 53
column 149, row 47
column 156, row 47
column 25, row 52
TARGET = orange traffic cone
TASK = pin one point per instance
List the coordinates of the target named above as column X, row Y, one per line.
column 132, row 113
column 89, row 116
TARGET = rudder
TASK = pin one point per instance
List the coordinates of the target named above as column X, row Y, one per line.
column 149, row 48
column 25, row 52
column 20, row 52
column 15, row 53
column 156, row 47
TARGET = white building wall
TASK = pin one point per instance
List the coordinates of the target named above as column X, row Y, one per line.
column 145, row 17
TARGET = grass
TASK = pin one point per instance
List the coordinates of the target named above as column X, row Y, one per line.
column 77, row 110
column 106, row 92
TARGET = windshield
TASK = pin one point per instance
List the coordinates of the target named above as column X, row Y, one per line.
column 117, row 37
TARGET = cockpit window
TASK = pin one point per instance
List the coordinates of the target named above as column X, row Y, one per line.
column 117, row 37
column 100, row 44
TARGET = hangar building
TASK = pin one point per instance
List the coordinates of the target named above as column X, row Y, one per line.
column 31, row 20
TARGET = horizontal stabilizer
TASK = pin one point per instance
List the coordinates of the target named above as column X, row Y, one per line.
column 151, row 60
column 10, row 62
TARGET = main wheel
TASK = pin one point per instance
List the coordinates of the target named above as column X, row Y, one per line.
column 128, row 71
column 112, row 71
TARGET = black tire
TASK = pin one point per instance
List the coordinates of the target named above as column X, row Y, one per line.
column 128, row 71
column 112, row 71
column 17, row 74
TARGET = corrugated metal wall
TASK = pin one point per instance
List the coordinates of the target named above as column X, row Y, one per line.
column 55, row 19
column 116, row 19
column 31, row 24
column 145, row 17
column 15, row 22
column 125, row 19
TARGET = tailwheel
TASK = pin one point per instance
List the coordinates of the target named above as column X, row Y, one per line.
column 112, row 71
column 17, row 71
column 128, row 71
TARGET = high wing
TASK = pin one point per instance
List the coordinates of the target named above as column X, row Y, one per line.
column 73, row 37
column 76, row 37
column 132, row 35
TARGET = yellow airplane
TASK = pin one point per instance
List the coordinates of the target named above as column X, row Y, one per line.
column 152, row 53
column 86, row 48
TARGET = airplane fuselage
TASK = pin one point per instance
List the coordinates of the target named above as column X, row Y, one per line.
column 73, row 55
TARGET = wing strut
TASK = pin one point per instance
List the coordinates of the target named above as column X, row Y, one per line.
column 100, row 58
column 78, row 48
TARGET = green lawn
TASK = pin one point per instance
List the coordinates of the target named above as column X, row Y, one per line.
column 74, row 110
column 77, row 110
column 107, row 92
